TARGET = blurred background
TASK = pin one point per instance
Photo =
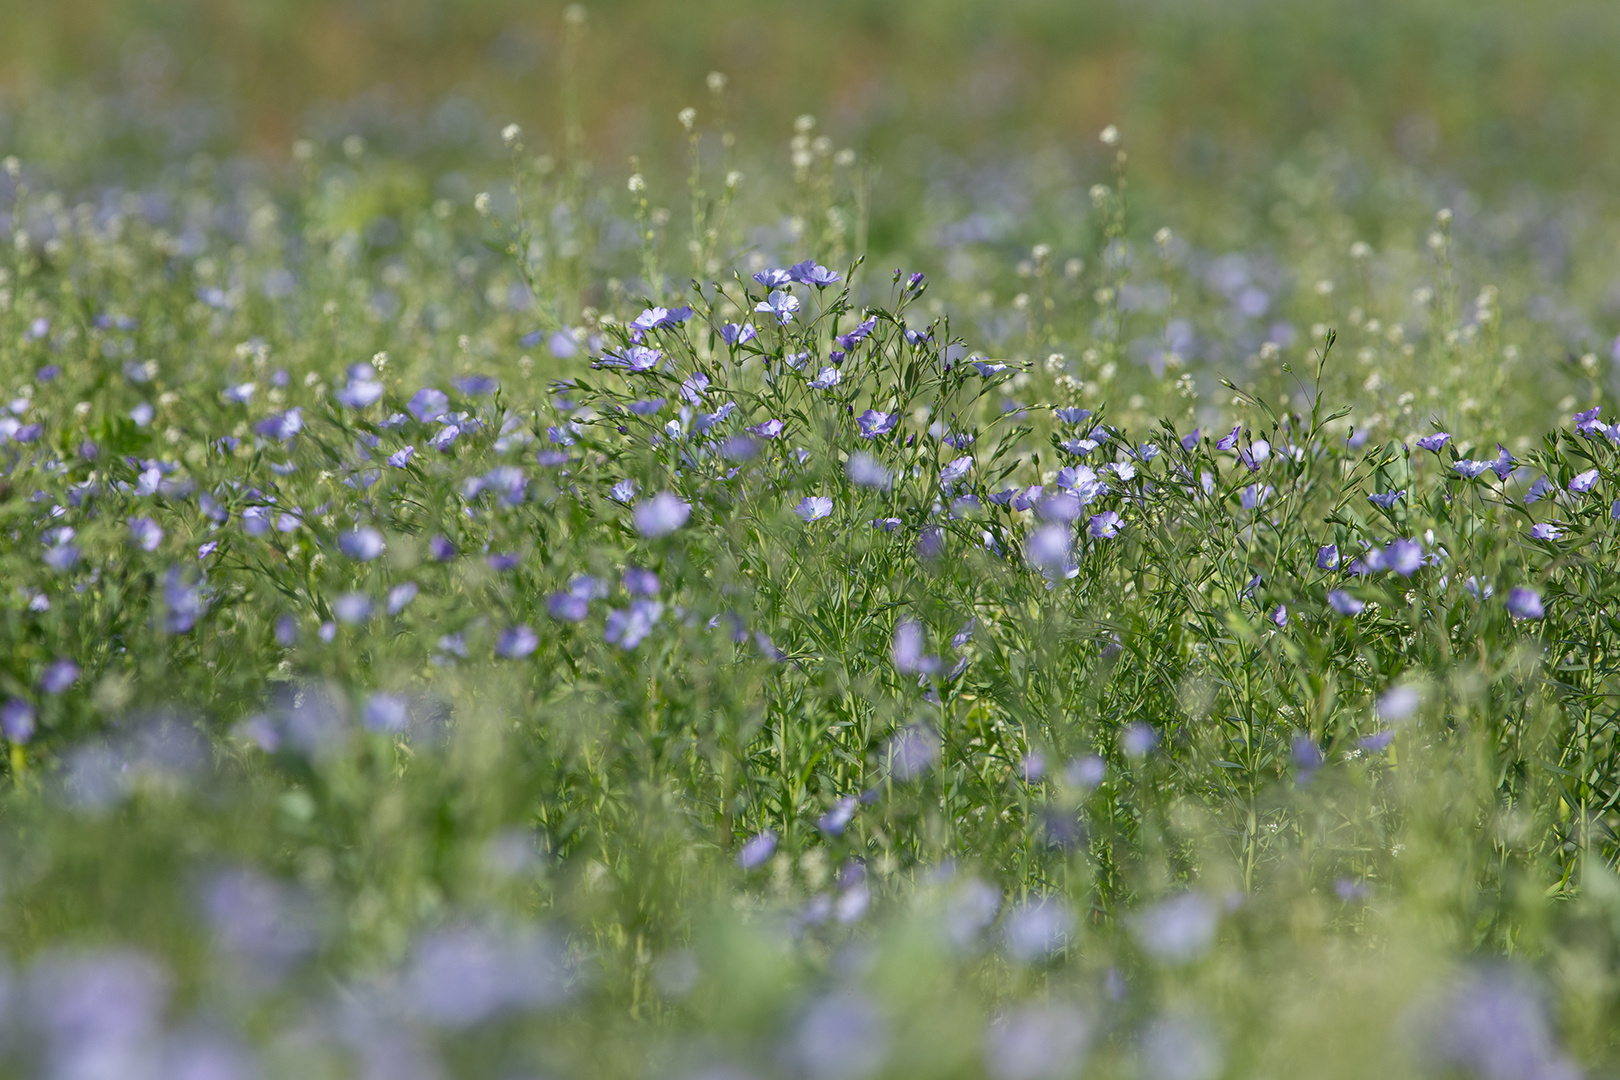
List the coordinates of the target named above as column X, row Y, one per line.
column 1493, row 92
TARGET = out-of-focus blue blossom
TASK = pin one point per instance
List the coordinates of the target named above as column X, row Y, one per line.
column 826, row 379
column 1037, row 928
column 1138, row 739
column 840, row 1037
column 516, row 642
column 864, row 470
column 441, row 548
column 1180, row 1048
column 1493, row 1026
column 265, row 926
column 401, row 595
column 281, row 426
column 1525, row 603
column 661, row 515
column 17, row 720
column 639, row 581
column 352, row 608
column 1037, row 1041
column 476, row 385
column 1344, row 603
column 184, row 602
column 385, row 712
column 912, row 752
column 907, row 650
column 361, row 545
column 757, row 851
column 58, row 676
column 629, row 627
column 428, row 404
column 461, row 976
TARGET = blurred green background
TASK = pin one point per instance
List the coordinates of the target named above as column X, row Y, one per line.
column 1494, row 92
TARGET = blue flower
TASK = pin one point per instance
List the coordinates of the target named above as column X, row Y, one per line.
column 1230, row 439
column 627, row 628
column 385, row 712
column 566, row 607
column 636, row 359
column 1344, row 603
column 1403, row 556
column 1503, row 465
column 1189, row 441
column 862, row 330
column 359, row 393
column 476, row 385
column 773, row 278
column 814, row 507
column 183, row 603
column 441, row 548
column 826, row 379
column 768, row 429
column 646, row 406
column 1387, row 499
column 352, row 608
column 362, row 545
column 1074, row 415
column 864, row 470
column 281, row 426
column 428, row 404
column 1104, row 526
column 874, row 423
column 757, row 851
column 811, row 273
column 1327, row 557
column 1583, row 482
column 1538, row 490
column 146, row 533
column 735, row 334
column 661, row 515
column 58, row 676
column 401, row 595
column 516, row 642
column 17, row 720
column 907, row 650
column 639, row 581
column 956, row 470
column 401, row 457
column 1050, row 547
column 1546, row 530
column 780, row 303
column 987, row 368
column 1434, row 442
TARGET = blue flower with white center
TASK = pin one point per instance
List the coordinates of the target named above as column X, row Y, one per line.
column 1104, row 526
column 781, row 304
column 1583, row 482
column 814, row 507
column 874, row 423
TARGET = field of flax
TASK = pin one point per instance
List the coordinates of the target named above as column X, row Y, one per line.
column 723, row 591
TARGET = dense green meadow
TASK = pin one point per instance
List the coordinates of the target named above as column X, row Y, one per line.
column 1023, row 540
